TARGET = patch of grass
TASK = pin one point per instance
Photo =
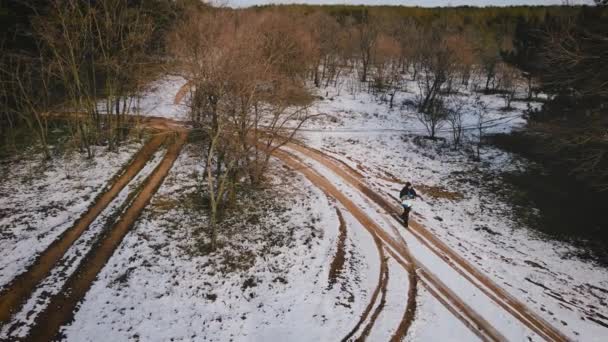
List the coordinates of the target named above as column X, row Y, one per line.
column 439, row 192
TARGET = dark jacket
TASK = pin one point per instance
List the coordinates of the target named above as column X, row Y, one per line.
column 407, row 192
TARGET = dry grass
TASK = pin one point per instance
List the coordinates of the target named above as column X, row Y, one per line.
column 439, row 192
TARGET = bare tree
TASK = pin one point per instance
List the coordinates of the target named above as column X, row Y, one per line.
column 455, row 117
column 438, row 66
column 24, row 84
column 464, row 57
column 248, row 96
column 386, row 75
column 508, row 81
column 434, row 117
column 480, row 110
column 366, row 33
column 489, row 58
column 96, row 52
column 406, row 32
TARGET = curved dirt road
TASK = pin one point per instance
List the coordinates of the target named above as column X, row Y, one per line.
column 465, row 313
column 62, row 305
column 510, row 304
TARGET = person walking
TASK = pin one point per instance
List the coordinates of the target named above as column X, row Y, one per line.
column 407, row 194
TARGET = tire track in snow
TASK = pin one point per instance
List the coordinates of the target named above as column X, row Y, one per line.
column 370, row 325
column 509, row 303
column 409, row 315
column 470, row 318
column 380, row 287
column 16, row 292
column 337, row 264
column 62, row 306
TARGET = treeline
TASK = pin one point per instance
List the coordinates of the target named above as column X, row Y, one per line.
column 250, row 72
column 560, row 51
column 90, row 58
column 569, row 58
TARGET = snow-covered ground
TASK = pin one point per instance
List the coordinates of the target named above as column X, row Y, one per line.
column 74, row 255
column 159, row 99
column 474, row 220
column 348, row 109
column 460, row 206
column 39, row 200
column 269, row 279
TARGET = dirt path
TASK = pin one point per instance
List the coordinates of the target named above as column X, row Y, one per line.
column 384, row 282
column 16, row 293
column 337, row 264
column 480, row 280
column 410, row 309
column 62, row 306
column 469, row 317
column 380, row 287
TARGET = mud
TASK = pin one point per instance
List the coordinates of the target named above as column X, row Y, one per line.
column 181, row 93
column 379, row 288
column 471, row 319
column 16, row 293
column 62, row 306
column 493, row 291
column 370, row 325
column 337, row 263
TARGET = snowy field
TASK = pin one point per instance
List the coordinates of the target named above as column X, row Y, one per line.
column 461, row 204
column 160, row 99
column 39, row 200
column 294, row 264
column 270, row 279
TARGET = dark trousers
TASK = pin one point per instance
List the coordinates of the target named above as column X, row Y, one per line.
column 406, row 215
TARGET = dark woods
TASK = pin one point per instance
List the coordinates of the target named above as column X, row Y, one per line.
column 84, row 57
column 568, row 56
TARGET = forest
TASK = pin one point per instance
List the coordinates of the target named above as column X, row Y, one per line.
column 73, row 55
column 183, row 170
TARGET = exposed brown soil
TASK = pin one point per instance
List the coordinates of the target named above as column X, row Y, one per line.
column 62, row 306
column 410, row 309
column 463, row 312
column 379, row 288
column 181, row 93
column 16, row 293
column 439, row 192
column 378, row 310
column 378, row 233
column 337, row 263
column 493, row 291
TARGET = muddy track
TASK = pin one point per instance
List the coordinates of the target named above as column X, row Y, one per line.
column 410, row 309
column 16, row 293
column 62, row 306
column 378, row 310
column 466, row 314
column 509, row 303
column 380, row 287
column 335, row 269
column 337, row 263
